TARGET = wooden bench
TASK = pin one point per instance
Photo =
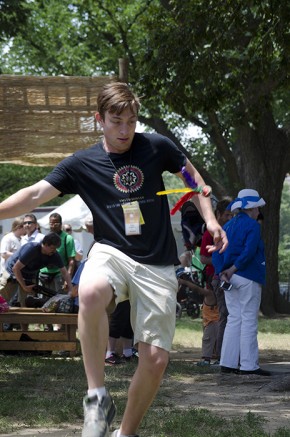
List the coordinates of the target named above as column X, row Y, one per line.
column 64, row 340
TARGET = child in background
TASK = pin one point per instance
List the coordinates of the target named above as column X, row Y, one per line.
column 223, row 215
column 210, row 320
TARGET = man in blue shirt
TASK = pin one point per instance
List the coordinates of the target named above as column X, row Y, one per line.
column 25, row 264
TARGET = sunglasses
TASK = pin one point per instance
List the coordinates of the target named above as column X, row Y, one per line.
column 28, row 223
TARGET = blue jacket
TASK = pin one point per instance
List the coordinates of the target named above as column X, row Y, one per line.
column 245, row 249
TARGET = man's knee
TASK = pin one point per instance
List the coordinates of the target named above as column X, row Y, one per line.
column 156, row 359
column 159, row 364
column 98, row 294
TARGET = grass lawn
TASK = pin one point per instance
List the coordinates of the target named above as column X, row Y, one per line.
column 274, row 334
column 47, row 391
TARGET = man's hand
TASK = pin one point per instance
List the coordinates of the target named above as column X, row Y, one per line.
column 228, row 273
column 219, row 237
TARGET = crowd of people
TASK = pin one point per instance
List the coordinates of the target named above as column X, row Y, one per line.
column 133, row 259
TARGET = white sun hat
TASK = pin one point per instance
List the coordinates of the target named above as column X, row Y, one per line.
column 247, row 199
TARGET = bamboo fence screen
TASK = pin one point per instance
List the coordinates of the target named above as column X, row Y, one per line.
column 44, row 119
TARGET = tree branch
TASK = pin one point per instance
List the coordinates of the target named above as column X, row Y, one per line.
column 161, row 127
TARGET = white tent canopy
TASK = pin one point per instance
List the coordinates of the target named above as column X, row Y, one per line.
column 74, row 212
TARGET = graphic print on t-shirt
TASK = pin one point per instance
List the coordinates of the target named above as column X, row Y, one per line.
column 128, row 179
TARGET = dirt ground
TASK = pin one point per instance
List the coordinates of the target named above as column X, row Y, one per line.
column 225, row 395
column 230, row 395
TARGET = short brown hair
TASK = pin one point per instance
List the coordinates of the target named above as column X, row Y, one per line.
column 115, row 98
column 222, row 205
column 17, row 223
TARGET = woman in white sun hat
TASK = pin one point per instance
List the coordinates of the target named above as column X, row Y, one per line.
column 243, row 266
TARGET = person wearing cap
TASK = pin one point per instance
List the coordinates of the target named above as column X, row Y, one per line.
column 243, row 266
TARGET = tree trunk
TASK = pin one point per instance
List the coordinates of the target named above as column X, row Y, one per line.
column 264, row 162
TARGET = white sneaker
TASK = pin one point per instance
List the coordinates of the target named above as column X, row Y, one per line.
column 98, row 416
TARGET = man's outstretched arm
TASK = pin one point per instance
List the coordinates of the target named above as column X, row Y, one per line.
column 27, row 199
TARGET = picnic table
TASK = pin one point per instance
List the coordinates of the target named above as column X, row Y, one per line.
column 63, row 340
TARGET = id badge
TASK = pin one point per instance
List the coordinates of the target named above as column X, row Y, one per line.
column 132, row 218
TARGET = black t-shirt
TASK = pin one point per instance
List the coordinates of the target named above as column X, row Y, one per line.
column 30, row 255
column 103, row 182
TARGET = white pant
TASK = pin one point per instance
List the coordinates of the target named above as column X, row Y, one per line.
column 240, row 344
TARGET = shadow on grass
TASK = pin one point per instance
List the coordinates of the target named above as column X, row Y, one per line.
column 47, row 392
